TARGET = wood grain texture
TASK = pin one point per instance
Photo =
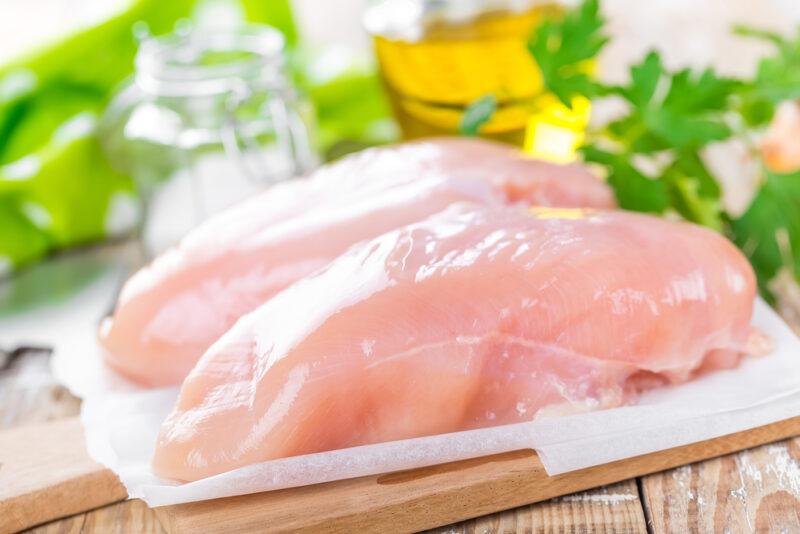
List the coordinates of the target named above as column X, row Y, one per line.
column 123, row 518
column 32, row 397
column 128, row 517
column 615, row 509
column 46, row 473
column 438, row 495
column 757, row 490
column 69, row 525
column 28, row 395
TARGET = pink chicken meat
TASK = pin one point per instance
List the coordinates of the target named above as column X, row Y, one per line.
column 171, row 311
column 475, row 317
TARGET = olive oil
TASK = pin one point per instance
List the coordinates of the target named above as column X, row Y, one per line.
column 438, row 62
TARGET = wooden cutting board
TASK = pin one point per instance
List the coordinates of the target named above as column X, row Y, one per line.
column 45, row 473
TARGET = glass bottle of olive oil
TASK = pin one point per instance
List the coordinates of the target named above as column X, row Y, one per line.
column 439, row 56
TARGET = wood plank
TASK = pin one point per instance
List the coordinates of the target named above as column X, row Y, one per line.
column 46, row 473
column 69, row 525
column 28, row 394
column 437, row 495
column 757, row 490
column 615, row 509
column 127, row 517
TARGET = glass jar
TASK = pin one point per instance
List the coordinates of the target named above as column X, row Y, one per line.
column 210, row 118
column 437, row 57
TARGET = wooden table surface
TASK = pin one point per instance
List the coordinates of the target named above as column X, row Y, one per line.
column 757, row 490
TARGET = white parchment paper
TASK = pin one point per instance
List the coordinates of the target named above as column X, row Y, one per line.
column 122, row 422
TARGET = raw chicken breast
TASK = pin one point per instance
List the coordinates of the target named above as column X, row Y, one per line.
column 170, row 312
column 475, row 317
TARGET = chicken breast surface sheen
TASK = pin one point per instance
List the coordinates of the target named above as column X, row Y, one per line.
column 472, row 318
column 171, row 311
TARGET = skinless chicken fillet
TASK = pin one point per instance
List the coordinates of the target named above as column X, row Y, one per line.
column 171, row 311
column 477, row 316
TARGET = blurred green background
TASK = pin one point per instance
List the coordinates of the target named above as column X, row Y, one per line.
column 57, row 188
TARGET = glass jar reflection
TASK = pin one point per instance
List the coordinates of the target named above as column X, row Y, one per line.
column 210, row 118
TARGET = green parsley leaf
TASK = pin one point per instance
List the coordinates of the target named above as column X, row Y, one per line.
column 633, row 189
column 686, row 200
column 694, row 192
column 689, row 114
column 671, row 117
column 775, row 211
column 563, row 49
column 477, row 114
column 644, row 81
column 778, row 76
column 689, row 163
column 684, row 110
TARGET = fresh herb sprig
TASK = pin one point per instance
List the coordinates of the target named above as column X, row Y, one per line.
column 653, row 155
column 477, row 114
column 777, row 78
column 564, row 48
column 671, row 118
column 769, row 231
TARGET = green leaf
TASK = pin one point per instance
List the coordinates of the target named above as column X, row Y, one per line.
column 758, row 33
column 673, row 116
column 477, row 114
column 351, row 109
column 769, row 231
column 644, row 80
column 689, row 115
column 756, row 111
column 694, row 193
column 564, row 48
column 692, row 93
column 774, row 212
column 689, row 163
column 679, row 130
column 777, row 77
column 20, row 240
column 634, row 190
column 632, row 132
column 687, row 200
column 44, row 112
column 276, row 13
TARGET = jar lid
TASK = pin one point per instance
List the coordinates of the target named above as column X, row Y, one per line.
column 210, row 61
